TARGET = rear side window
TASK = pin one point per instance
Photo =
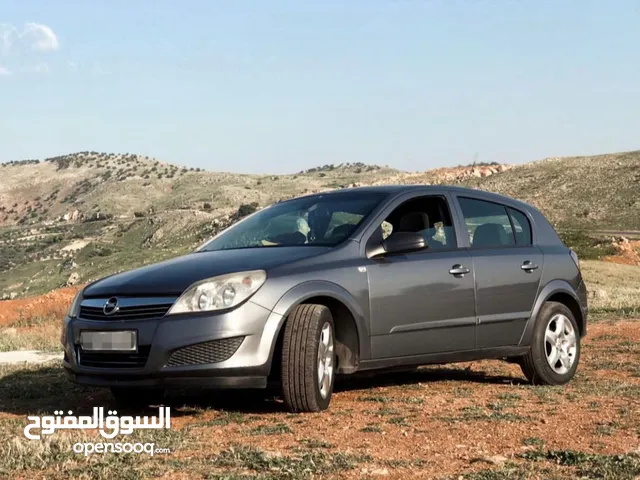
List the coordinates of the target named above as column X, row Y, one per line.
column 487, row 223
column 521, row 225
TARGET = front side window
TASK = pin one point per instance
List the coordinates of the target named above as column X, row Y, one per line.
column 426, row 215
column 319, row 220
column 487, row 223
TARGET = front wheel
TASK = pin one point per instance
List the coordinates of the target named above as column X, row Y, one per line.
column 555, row 347
column 308, row 359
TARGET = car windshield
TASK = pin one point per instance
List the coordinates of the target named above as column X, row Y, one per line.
column 319, row 220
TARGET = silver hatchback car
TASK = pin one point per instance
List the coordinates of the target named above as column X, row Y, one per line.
column 336, row 283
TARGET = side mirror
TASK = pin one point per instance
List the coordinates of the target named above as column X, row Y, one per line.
column 404, row 242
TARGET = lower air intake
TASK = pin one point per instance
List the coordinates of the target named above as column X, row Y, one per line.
column 214, row 351
column 114, row 360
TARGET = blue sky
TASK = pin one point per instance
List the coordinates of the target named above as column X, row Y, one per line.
column 278, row 86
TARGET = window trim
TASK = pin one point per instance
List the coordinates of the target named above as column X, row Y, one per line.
column 530, row 244
column 513, row 228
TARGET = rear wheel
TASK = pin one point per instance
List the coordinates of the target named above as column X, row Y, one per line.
column 308, row 359
column 137, row 397
column 555, row 347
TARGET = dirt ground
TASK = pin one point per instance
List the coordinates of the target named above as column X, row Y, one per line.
column 628, row 252
column 475, row 421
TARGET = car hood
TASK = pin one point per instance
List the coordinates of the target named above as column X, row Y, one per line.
column 172, row 277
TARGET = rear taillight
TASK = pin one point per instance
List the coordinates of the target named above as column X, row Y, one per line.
column 575, row 258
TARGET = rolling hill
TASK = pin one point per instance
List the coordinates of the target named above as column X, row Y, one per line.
column 73, row 218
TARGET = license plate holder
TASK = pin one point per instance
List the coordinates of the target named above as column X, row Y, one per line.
column 109, row 341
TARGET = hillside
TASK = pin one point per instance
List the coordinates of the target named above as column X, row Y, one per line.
column 77, row 217
column 91, row 185
column 600, row 192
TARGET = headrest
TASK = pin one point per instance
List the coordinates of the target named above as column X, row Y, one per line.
column 413, row 222
column 489, row 234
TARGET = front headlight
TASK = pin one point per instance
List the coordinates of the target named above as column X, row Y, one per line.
column 217, row 293
column 72, row 313
column 75, row 305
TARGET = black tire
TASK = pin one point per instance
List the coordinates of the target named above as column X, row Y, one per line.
column 137, row 397
column 534, row 364
column 300, row 344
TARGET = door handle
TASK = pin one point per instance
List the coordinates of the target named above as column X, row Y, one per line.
column 458, row 270
column 528, row 266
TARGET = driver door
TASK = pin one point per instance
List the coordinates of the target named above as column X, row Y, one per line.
column 422, row 302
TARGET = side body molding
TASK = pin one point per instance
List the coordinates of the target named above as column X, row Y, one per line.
column 298, row 295
column 551, row 288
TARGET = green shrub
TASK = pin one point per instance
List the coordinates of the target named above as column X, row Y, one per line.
column 246, row 209
column 587, row 247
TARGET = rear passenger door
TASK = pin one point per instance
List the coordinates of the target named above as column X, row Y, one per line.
column 507, row 269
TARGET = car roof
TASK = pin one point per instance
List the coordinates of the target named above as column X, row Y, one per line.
column 399, row 189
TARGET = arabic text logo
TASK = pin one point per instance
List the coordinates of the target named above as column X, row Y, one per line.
column 108, row 426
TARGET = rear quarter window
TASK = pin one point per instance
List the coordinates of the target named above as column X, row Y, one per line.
column 521, row 227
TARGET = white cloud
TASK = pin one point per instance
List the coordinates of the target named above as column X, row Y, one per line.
column 40, row 37
column 35, row 36
column 73, row 66
column 4, row 71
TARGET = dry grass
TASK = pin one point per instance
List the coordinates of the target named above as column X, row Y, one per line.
column 437, row 422
column 33, row 311
column 613, row 288
column 44, row 337
column 34, row 323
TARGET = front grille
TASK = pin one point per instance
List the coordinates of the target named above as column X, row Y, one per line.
column 114, row 359
column 134, row 312
column 207, row 352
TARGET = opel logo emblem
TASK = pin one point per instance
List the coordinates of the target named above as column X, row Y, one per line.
column 111, row 307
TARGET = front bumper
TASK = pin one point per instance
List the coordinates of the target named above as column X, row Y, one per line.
column 158, row 339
